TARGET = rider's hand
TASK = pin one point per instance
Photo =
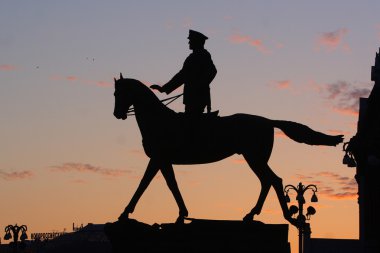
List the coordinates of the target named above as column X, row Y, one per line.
column 156, row 87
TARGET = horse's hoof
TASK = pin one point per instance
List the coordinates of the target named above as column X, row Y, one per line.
column 123, row 217
column 248, row 218
column 180, row 220
column 184, row 213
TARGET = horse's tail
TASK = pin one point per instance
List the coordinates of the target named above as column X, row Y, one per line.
column 304, row 134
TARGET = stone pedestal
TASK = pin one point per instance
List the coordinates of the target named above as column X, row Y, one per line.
column 198, row 236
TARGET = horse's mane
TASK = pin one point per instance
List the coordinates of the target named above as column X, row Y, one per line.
column 144, row 93
column 140, row 87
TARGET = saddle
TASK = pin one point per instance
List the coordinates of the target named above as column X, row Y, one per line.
column 206, row 115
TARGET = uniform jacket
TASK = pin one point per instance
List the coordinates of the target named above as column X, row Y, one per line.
column 196, row 74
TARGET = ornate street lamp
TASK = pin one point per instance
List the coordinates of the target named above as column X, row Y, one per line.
column 348, row 158
column 16, row 230
column 302, row 226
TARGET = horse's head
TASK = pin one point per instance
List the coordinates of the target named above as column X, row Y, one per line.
column 122, row 98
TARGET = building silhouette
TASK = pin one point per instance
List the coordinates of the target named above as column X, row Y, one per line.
column 366, row 150
column 362, row 152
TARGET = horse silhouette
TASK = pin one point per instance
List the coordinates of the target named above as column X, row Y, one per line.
column 175, row 138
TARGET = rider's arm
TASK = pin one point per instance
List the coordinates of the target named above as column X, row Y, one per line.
column 174, row 83
column 181, row 77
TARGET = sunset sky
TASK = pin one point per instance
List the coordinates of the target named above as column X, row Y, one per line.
column 64, row 158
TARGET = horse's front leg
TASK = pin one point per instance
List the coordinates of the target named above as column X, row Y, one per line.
column 168, row 173
column 149, row 174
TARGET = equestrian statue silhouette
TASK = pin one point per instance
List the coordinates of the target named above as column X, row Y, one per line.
column 176, row 138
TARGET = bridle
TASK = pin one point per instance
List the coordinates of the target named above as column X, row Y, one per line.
column 131, row 111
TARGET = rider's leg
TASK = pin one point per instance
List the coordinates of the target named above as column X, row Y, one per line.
column 194, row 109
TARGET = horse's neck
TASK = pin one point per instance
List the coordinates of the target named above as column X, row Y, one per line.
column 145, row 101
column 149, row 110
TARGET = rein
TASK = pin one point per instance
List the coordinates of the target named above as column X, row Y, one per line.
column 131, row 111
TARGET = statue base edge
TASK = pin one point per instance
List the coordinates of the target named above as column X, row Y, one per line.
column 200, row 235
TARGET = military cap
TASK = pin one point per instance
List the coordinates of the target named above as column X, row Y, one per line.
column 196, row 35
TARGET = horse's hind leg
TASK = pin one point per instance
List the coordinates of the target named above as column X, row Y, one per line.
column 149, row 174
column 168, row 173
column 267, row 179
column 264, row 177
column 279, row 189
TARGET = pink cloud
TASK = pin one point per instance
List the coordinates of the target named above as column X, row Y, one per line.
column 187, row 22
column 239, row 160
column 333, row 40
column 7, row 67
column 344, row 195
column 327, row 174
column 8, row 176
column 228, row 17
column 55, row 78
column 238, row 39
column 72, row 78
column 137, row 151
column 147, row 83
column 272, row 211
column 283, row 84
column 244, row 39
column 344, row 96
column 332, row 185
column 280, row 134
column 280, row 45
column 303, row 177
column 78, row 181
column 347, row 111
column 338, row 132
column 88, row 168
column 63, row 78
column 103, row 84
column 336, row 177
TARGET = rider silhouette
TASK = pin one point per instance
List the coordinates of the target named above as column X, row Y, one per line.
column 197, row 73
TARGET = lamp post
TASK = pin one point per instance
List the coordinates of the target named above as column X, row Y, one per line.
column 302, row 226
column 15, row 229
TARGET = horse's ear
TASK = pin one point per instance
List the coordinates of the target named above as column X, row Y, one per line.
column 114, row 79
column 121, row 76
